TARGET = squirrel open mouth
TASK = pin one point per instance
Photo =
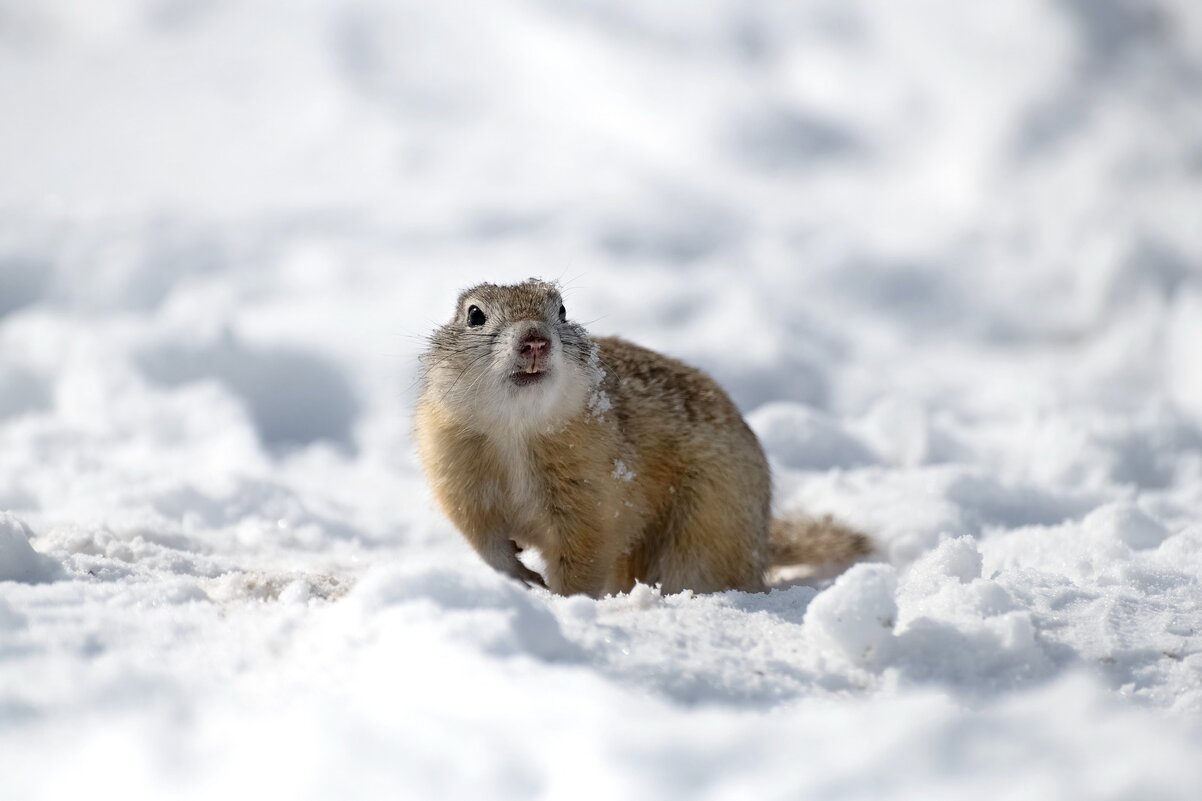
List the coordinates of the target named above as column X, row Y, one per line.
column 525, row 379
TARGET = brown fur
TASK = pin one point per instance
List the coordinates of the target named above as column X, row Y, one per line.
column 665, row 484
column 815, row 541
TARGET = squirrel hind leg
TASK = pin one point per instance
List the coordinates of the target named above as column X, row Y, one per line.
column 708, row 545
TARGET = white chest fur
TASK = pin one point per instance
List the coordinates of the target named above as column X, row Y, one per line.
column 515, row 460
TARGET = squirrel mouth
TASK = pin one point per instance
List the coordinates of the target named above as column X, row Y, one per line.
column 525, row 378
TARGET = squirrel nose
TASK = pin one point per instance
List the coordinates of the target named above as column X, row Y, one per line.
column 535, row 344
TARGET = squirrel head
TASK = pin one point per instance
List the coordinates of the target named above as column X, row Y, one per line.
column 509, row 356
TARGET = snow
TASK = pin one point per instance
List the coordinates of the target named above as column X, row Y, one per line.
column 18, row 560
column 854, row 618
column 945, row 257
column 621, row 472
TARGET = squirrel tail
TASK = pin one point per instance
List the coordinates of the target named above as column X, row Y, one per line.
column 815, row 541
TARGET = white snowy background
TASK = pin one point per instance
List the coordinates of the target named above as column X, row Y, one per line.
column 947, row 256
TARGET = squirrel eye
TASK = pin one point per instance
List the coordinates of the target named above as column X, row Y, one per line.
column 563, row 313
column 475, row 317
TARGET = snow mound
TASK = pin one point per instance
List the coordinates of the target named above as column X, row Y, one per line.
column 856, row 616
column 10, row 619
column 18, row 560
column 493, row 613
column 21, row 391
column 804, row 439
column 22, row 283
column 1126, row 524
column 294, row 397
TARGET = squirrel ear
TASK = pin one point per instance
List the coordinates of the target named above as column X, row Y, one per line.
column 563, row 313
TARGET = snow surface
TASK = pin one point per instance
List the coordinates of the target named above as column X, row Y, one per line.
column 947, row 256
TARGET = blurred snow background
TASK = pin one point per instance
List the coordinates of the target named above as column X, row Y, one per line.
column 946, row 256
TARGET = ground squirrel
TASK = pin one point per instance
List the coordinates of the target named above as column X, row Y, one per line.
column 616, row 463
